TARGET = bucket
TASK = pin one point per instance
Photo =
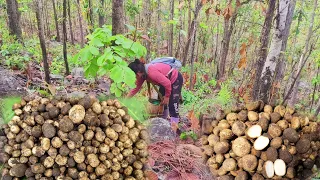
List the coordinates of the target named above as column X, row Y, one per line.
column 154, row 108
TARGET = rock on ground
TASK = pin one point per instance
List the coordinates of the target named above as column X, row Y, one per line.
column 160, row 129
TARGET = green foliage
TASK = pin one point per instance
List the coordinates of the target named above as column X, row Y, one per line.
column 105, row 54
column 6, row 108
column 18, row 55
column 186, row 134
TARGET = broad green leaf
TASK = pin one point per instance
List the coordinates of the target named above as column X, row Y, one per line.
column 86, row 55
column 97, row 42
column 127, row 44
column 129, row 77
column 94, row 50
column 75, row 58
column 92, row 69
column 118, row 59
column 131, row 28
column 116, row 74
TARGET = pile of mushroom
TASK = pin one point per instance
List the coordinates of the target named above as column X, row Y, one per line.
column 257, row 141
column 73, row 139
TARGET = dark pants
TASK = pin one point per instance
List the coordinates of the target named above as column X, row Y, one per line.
column 174, row 97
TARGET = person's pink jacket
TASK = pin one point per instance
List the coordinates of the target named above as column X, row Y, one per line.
column 157, row 75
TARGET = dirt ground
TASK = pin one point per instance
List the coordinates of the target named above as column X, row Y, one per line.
column 11, row 84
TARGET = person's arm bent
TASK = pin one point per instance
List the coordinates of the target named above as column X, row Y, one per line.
column 134, row 91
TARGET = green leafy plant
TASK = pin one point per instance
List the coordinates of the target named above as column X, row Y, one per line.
column 6, row 108
column 184, row 135
column 106, row 54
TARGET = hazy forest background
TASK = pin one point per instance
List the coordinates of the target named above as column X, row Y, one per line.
column 233, row 51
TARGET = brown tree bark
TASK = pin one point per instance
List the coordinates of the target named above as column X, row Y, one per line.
column 148, row 14
column 101, row 14
column 170, row 44
column 90, row 17
column 158, row 27
column 117, row 17
column 317, row 111
column 14, row 18
column 64, row 30
column 80, row 24
column 191, row 33
column 263, row 51
column 56, row 20
column 42, row 41
column 70, row 22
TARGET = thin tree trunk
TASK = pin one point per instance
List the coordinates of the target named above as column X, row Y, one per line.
column 91, row 20
column 317, row 111
column 314, row 90
column 302, row 60
column 148, row 14
column 47, row 19
column 42, row 41
column 158, row 27
column 170, row 45
column 263, row 51
column 117, row 17
column 101, row 13
column 191, row 33
column 280, row 68
column 216, row 49
column 56, row 20
column 14, row 18
column 80, row 24
column 228, row 29
column 64, row 29
column 70, row 22
column 269, row 67
column 192, row 60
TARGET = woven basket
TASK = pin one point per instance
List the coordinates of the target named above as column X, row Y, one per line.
column 154, row 110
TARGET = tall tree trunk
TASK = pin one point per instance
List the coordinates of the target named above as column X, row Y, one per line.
column 117, row 17
column 42, row 41
column 294, row 88
column 228, row 29
column 317, row 111
column 158, row 27
column 280, row 68
column 64, row 30
column 90, row 17
column 56, row 20
column 101, row 13
column 269, row 67
column 263, row 51
column 80, row 24
column 148, row 14
column 192, row 60
column 14, row 18
column 191, row 33
column 170, row 45
column 70, row 22
column 177, row 54
column 314, row 89
column 47, row 18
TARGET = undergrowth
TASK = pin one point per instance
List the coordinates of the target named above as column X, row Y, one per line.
column 6, row 108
